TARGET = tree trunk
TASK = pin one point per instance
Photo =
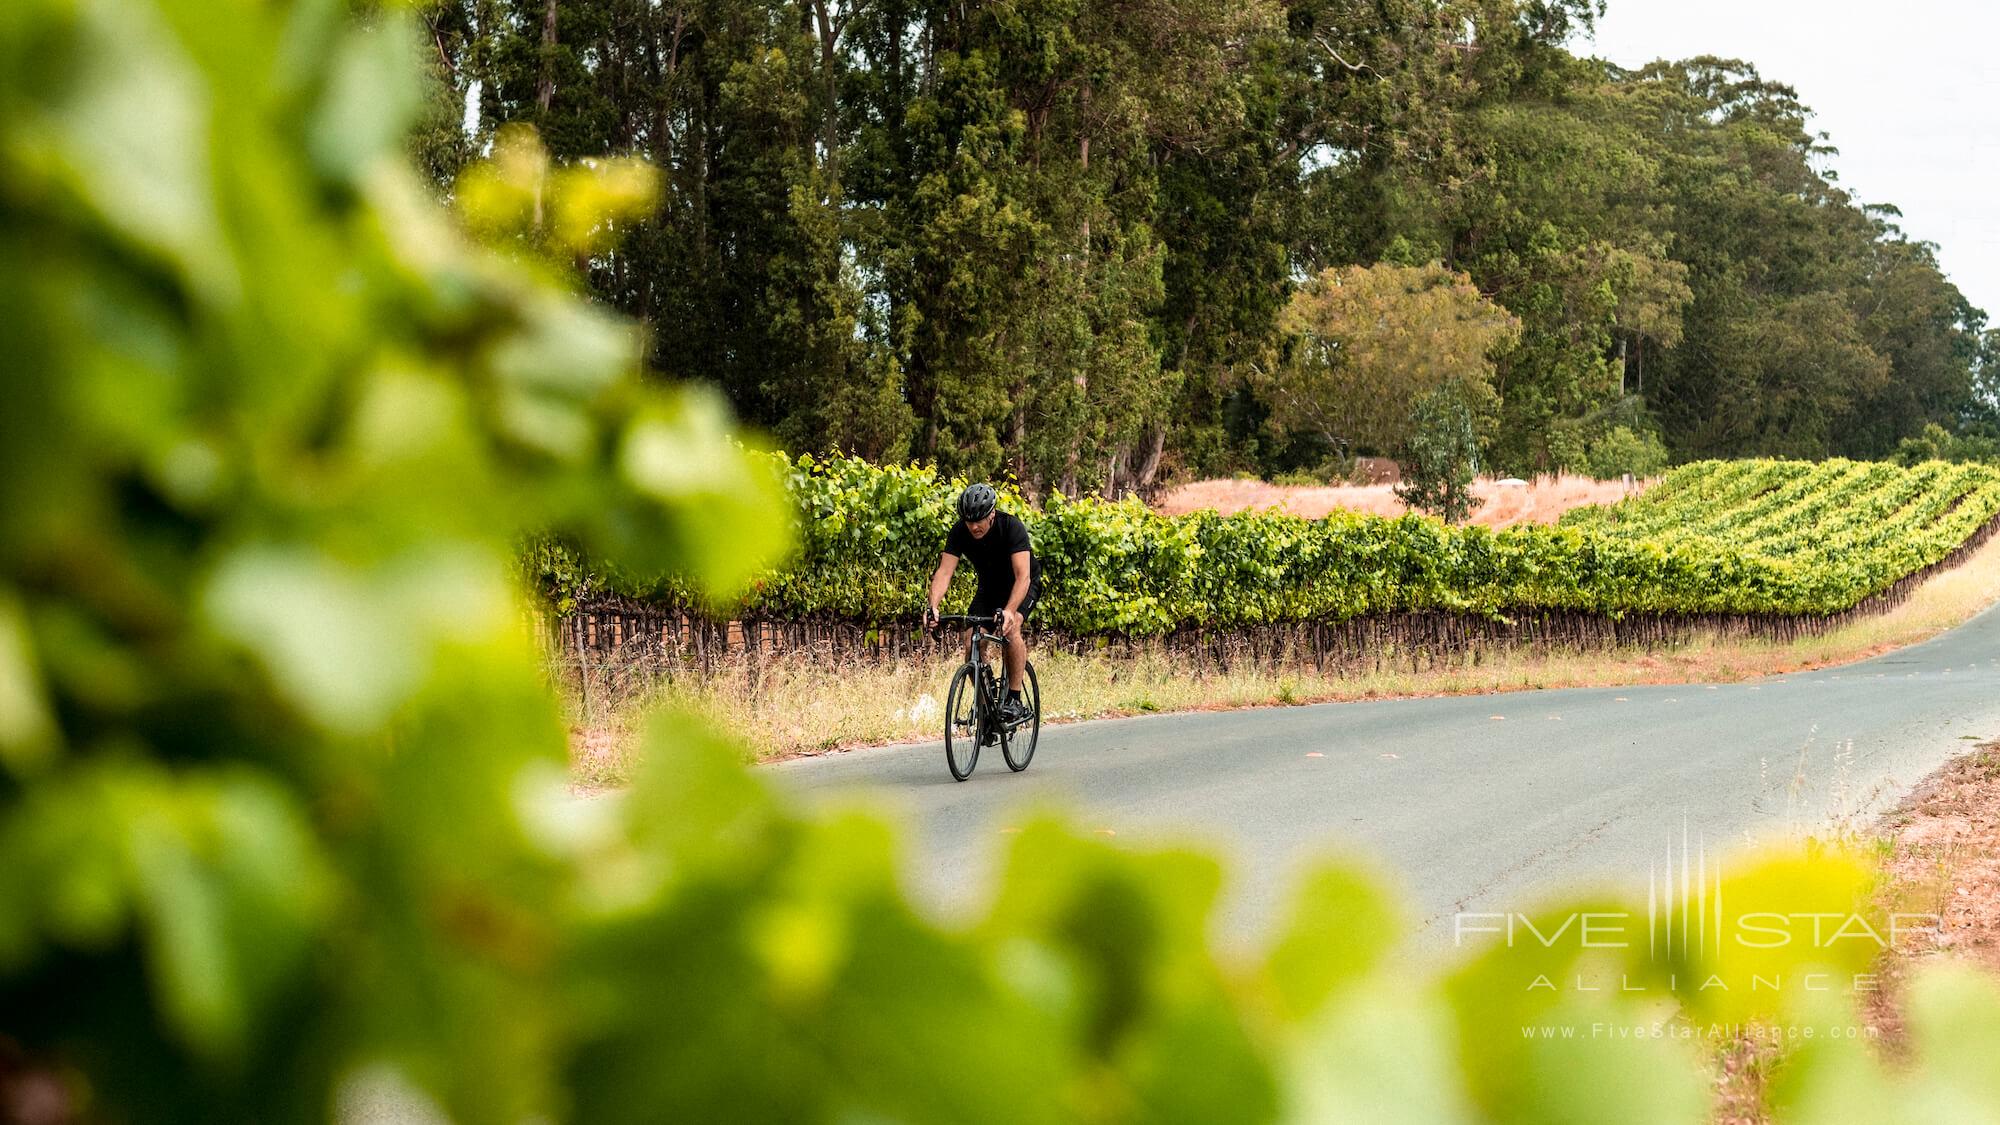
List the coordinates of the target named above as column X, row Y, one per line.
column 830, row 127
column 1083, row 266
column 661, row 150
column 1149, row 470
column 1019, row 437
column 545, row 87
column 1085, row 159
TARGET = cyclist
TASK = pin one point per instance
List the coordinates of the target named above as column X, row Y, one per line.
column 1010, row 578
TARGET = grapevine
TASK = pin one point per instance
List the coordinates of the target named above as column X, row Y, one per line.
column 1752, row 537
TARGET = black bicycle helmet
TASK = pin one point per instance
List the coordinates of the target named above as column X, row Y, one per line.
column 976, row 502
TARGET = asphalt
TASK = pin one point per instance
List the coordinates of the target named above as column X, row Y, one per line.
column 1468, row 804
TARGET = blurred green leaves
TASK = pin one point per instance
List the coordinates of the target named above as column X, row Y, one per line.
column 127, row 131
column 346, row 647
column 272, row 427
column 372, row 92
column 574, row 209
column 1953, row 1014
column 219, row 873
column 1341, row 930
column 1781, row 915
column 26, row 730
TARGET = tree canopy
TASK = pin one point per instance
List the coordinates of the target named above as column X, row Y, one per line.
column 1371, row 340
column 1055, row 238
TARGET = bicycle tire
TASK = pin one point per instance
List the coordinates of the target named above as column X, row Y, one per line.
column 1031, row 697
column 962, row 732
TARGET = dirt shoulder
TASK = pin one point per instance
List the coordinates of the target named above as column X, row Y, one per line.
column 1943, row 858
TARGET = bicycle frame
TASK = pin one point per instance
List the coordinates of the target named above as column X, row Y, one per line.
column 979, row 636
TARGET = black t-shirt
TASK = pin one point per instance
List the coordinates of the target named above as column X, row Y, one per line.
column 992, row 557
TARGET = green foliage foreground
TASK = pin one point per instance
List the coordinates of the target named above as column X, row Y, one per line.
column 1715, row 537
column 283, row 822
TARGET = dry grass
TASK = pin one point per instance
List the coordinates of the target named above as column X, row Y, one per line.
column 1541, row 500
column 1741, row 1070
column 806, row 706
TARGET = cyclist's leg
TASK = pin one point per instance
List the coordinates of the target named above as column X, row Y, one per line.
column 1017, row 645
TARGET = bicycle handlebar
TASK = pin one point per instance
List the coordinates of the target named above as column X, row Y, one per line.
column 989, row 622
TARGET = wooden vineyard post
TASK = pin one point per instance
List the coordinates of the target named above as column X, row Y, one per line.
column 583, row 665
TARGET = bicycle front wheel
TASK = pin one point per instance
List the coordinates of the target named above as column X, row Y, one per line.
column 1019, row 749
column 962, row 724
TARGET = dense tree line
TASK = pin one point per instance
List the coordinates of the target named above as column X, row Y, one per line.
column 1059, row 238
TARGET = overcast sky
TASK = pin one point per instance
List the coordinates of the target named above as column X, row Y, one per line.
column 1909, row 91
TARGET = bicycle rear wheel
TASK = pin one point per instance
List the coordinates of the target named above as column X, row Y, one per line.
column 1019, row 748
column 962, row 723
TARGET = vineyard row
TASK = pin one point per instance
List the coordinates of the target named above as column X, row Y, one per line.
column 1766, row 540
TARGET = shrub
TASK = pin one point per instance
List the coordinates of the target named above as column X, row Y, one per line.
column 1622, row 450
column 1441, row 457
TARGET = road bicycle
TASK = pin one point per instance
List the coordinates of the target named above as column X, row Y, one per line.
column 978, row 691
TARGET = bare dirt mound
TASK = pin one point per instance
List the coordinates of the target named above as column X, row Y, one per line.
column 1541, row 500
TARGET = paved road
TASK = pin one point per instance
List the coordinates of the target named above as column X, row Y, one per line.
column 1478, row 803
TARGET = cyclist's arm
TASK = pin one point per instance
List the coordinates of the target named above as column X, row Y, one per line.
column 1021, row 561
column 941, row 580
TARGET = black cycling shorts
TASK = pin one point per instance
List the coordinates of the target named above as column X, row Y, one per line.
column 983, row 607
